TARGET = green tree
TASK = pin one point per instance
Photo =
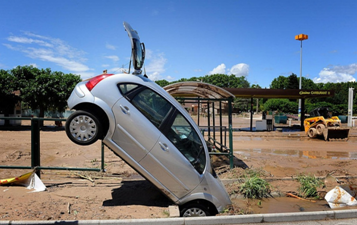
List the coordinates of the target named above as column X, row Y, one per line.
column 292, row 82
column 43, row 89
column 279, row 83
column 256, row 86
column 7, row 97
column 307, row 83
column 225, row 81
column 282, row 105
column 162, row 83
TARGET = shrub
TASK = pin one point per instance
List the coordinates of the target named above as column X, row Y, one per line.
column 308, row 186
column 254, row 186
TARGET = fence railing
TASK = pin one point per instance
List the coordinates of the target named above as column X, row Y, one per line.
column 35, row 148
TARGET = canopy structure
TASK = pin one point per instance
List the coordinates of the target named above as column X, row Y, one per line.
column 193, row 89
column 279, row 93
column 204, row 90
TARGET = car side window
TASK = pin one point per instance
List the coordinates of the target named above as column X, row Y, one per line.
column 188, row 142
column 125, row 88
column 153, row 106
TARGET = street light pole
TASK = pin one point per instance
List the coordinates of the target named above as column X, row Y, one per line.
column 300, row 37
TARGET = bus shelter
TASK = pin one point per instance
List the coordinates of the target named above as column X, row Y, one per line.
column 211, row 95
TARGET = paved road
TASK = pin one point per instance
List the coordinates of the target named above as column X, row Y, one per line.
column 338, row 217
column 318, row 222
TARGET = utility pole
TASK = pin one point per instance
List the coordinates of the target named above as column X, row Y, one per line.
column 300, row 37
column 350, row 107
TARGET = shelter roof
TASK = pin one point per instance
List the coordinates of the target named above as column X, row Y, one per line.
column 279, row 93
column 205, row 90
column 194, row 89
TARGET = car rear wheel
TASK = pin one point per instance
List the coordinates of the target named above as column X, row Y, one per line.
column 194, row 210
column 83, row 128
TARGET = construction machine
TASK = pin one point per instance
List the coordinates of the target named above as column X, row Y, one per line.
column 322, row 124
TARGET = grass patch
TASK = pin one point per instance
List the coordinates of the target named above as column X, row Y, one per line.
column 308, row 186
column 254, row 186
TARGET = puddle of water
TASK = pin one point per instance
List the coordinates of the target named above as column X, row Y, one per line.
column 283, row 129
column 301, row 154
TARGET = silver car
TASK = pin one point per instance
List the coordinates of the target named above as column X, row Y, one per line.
column 151, row 131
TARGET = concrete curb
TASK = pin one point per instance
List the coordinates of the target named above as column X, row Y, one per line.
column 257, row 218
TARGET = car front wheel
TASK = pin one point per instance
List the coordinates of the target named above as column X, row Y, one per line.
column 194, row 210
column 83, row 128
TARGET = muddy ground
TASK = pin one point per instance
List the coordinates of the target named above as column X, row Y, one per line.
column 121, row 193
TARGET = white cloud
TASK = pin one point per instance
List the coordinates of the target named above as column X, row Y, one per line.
column 220, row 69
column 349, row 69
column 337, row 74
column 240, row 70
column 111, row 47
column 169, row 78
column 33, row 64
column 52, row 50
column 112, row 57
column 25, row 40
column 155, row 65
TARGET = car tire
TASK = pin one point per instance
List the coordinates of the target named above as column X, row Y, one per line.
column 194, row 210
column 83, row 128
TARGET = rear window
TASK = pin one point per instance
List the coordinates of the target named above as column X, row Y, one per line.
column 126, row 88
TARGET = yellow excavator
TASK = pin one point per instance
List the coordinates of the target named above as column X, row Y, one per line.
column 321, row 124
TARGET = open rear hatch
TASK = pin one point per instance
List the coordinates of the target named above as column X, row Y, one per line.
column 137, row 49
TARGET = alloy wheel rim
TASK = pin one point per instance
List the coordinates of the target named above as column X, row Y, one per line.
column 83, row 128
column 194, row 212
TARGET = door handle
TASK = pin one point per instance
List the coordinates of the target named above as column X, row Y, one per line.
column 124, row 109
column 164, row 147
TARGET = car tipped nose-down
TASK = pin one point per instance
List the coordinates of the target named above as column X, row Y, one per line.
column 146, row 127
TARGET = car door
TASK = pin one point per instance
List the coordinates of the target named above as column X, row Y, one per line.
column 161, row 130
column 178, row 154
column 134, row 133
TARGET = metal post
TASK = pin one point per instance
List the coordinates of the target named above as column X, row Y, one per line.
column 230, row 132
column 209, row 122
column 299, row 110
column 302, row 115
column 102, row 166
column 213, row 122
column 251, row 114
column 198, row 111
column 350, row 107
column 220, row 122
column 35, row 145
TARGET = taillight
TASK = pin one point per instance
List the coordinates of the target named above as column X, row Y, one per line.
column 95, row 80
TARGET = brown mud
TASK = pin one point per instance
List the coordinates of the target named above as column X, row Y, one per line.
column 121, row 193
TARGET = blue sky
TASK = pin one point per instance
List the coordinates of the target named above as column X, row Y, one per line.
column 183, row 39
